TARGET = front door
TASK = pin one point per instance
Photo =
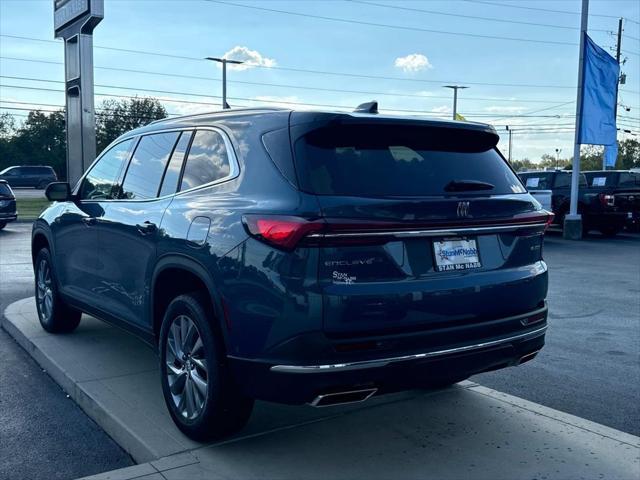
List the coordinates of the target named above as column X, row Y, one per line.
column 130, row 228
column 78, row 256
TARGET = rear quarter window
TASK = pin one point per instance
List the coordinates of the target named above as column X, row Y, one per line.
column 381, row 160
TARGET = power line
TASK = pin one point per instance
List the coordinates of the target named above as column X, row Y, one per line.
column 285, row 102
column 426, row 97
column 389, row 26
column 499, row 4
column 471, row 17
column 300, row 70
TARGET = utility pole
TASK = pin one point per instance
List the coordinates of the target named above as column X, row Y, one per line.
column 224, row 62
column 455, row 97
column 572, row 228
column 615, row 108
column 510, row 142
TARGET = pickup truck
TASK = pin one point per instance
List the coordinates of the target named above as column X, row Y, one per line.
column 620, row 189
column 598, row 213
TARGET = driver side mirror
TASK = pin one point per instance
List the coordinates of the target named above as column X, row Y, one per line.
column 58, row 192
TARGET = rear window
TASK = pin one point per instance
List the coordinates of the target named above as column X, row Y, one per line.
column 537, row 181
column 602, row 179
column 4, row 189
column 399, row 160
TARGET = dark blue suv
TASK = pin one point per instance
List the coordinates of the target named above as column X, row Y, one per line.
column 299, row 257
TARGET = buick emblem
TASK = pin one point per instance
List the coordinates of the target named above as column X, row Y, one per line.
column 463, row 209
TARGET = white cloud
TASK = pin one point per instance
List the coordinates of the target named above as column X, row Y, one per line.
column 441, row 109
column 252, row 58
column 413, row 62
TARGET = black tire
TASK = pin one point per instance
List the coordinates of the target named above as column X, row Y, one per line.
column 609, row 231
column 219, row 408
column 2, row 225
column 42, row 185
column 54, row 314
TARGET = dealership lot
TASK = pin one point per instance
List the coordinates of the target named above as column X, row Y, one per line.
column 588, row 369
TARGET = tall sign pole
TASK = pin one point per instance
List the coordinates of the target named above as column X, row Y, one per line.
column 572, row 228
column 74, row 21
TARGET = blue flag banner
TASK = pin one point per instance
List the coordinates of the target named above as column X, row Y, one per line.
column 610, row 155
column 597, row 124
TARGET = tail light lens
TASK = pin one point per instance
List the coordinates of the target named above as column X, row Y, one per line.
column 607, row 200
column 549, row 221
column 281, row 231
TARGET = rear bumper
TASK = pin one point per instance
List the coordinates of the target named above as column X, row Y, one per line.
column 8, row 217
column 607, row 219
column 300, row 383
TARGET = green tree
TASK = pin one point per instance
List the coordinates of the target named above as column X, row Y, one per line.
column 523, row 164
column 628, row 154
column 116, row 117
column 40, row 140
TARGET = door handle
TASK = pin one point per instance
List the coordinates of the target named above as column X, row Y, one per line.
column 146, row 228
column 89, row 220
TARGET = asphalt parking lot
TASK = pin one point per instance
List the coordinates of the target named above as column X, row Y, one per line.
column 43, row 434
column 589, row 367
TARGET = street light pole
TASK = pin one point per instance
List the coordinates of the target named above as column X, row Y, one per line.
column 455, row 97
column 558, row 150
column 224, row 62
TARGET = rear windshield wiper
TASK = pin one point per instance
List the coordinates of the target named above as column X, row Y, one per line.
column 467, row 185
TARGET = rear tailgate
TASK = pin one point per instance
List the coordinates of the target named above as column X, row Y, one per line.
column 426, row 227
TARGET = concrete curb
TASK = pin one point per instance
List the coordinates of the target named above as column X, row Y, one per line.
column 118, row 431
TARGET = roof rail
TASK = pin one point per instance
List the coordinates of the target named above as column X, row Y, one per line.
column 368, row 107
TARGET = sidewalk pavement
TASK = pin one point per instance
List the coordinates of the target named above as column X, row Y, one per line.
column 467, row 431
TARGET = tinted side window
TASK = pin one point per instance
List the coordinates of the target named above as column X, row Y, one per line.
column 98, row 184
column 626, row 180
column 147, row 165
column 563, row 180
column 172, row 174
column 207, row 160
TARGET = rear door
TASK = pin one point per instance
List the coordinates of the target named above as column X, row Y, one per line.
column 424, row 223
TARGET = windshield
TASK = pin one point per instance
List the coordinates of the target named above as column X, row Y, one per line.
column 5, row 190
column 380, row 160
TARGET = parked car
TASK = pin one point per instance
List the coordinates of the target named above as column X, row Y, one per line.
column 7, row 205
column 29, row 176
column 299, row 257
column 619, row 189
column 597, row 213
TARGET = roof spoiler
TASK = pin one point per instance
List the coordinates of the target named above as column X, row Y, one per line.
column 368, row 107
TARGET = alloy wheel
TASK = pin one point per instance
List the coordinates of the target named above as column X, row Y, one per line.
column 44, row 291
column 186, row 364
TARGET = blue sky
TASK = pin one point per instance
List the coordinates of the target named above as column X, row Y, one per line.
column 528, row 85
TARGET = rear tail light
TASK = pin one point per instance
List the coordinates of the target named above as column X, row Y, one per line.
column 281, row 231
column 549, row 221
column 287, row 232
column 607, row 200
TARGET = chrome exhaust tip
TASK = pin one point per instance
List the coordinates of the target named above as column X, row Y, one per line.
column 527, row 357
column 343, row 398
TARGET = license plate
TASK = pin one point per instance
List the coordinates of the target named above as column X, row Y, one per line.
column 456, row 254
column 629, row 214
